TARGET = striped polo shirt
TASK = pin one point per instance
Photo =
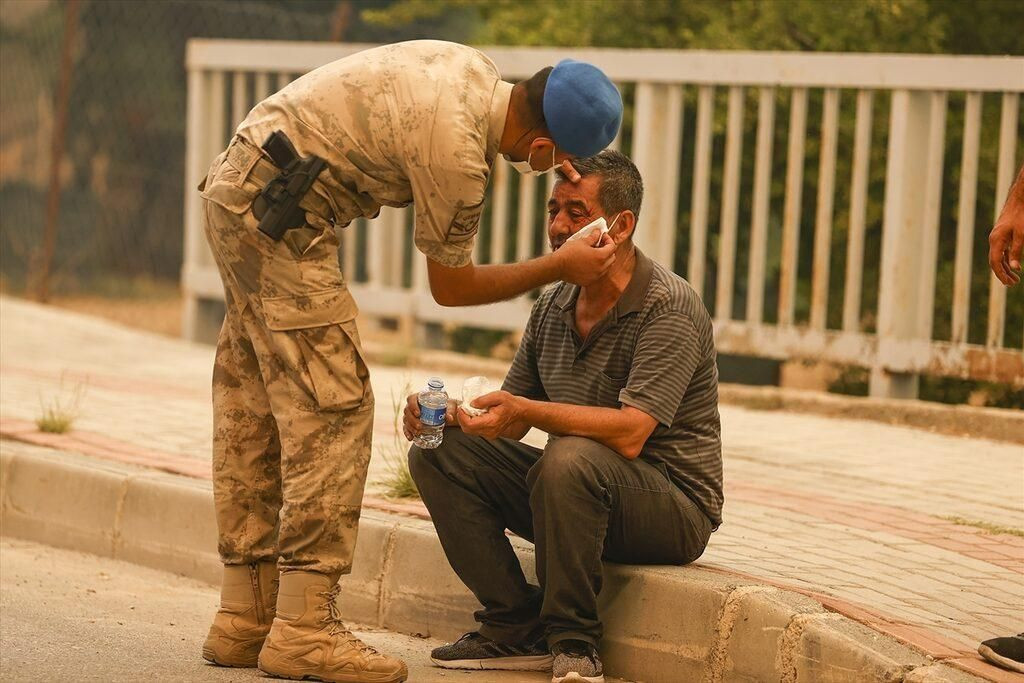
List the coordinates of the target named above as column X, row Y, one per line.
column 654, row 351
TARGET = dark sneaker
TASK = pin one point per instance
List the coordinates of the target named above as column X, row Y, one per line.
column 474, row 651
column 1006, row 652
column 575, row 662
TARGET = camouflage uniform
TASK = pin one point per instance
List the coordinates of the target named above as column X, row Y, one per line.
column 414, row 122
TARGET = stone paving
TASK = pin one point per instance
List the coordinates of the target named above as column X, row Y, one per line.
column 887, row 524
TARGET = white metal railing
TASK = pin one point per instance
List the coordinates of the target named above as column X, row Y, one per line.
column 226, row 77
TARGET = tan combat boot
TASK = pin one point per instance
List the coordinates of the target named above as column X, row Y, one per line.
column 248, row 597
column 308, row 640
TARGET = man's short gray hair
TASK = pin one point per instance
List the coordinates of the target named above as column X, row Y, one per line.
column 621, row 187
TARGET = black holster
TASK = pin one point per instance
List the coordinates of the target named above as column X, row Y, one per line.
column 277, row 206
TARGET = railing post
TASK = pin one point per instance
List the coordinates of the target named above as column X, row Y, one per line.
column 904, row 230
column 205, row 137
column 701, row 187
column 659, row 112
column 194, row 146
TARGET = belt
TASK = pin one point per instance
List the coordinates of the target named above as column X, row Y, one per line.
column 253, row 164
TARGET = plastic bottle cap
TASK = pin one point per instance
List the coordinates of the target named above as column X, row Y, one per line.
column 435, row 383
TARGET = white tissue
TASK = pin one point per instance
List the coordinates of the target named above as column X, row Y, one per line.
column 473, row 388
column 596, row 224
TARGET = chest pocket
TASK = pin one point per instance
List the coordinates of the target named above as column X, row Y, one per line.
column 607, row 389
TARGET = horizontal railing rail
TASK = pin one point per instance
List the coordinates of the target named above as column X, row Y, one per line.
column 781, row 185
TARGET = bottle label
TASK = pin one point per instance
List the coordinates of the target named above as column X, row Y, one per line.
column 432, row 417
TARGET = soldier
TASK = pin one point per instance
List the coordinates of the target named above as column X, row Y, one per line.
column 420, row 122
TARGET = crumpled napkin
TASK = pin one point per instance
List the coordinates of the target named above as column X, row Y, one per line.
column 473, row 388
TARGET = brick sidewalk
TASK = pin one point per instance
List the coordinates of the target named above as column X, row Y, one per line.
column 855, row 513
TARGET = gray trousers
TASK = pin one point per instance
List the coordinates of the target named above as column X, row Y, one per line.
column 576, row 500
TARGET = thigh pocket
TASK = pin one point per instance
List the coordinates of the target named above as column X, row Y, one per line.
column 316, row 338
column 315, row 239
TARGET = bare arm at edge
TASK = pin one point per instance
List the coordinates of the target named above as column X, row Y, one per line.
column 1006, row 241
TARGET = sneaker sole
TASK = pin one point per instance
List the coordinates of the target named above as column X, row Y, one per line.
column 573, row 677
column 992, row 656
column 525, row 663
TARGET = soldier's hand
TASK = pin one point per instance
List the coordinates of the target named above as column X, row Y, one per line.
column 586, row 260
column 570, row 172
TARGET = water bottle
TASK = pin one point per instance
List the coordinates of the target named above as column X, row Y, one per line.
column 433, row 404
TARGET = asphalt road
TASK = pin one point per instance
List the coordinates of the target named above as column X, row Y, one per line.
column 68, row 616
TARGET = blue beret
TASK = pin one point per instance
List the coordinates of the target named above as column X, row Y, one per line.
column 582, row 108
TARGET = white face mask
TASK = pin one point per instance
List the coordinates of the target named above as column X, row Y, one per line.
column 525, row 168
column 597, row 224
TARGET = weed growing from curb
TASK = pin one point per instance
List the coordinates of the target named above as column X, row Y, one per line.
column 399, row 482
column 987, row 527
column 60, row 412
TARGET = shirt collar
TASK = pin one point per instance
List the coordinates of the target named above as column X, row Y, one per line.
column 632, row 298
column 566, row 297
column 499, row 110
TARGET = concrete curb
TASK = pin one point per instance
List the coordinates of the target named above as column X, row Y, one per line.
column 958, row 420
column 150, row 518
column 662, row 623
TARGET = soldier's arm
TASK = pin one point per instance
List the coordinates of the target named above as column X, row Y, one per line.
column 579, row 262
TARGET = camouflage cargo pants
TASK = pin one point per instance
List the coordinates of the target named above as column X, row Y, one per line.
column 292, row 402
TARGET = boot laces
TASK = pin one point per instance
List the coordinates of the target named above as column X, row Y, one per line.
column 336, row 626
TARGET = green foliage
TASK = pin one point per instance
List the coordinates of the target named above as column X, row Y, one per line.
column 955, row 390
column 122, row 208
column 885, row 26
column 475, row 340
column 1004, row 396
column 123, row 171
column 812, row 25
column 853, row 381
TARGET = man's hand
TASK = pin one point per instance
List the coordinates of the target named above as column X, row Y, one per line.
column 1005, row 244
column 584, row 261
column 502, row 419
column 411, row 424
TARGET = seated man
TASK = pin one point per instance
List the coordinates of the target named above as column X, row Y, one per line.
column 622, row 375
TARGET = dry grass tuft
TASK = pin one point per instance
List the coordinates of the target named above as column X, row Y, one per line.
column 987, row 527
column 61, row 411
column 399, row 482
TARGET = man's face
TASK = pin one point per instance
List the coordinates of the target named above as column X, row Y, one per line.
column 572, row 206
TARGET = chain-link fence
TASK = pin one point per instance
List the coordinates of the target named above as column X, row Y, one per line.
column 121, row 171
